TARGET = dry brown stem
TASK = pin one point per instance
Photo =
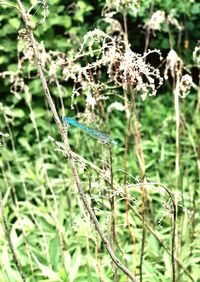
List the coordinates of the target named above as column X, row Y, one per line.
column 66, row 144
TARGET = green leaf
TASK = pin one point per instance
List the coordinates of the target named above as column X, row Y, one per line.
column 24, row 142
column 195, row 9
column 12, row 67
column 46, row 271
column 15, row 22
column 60, row 20
column 167, row 261
column 66, row 20
column 39, row 112
column 75, row 264
column 82, row 9
column 55, row 251
column 15, row 113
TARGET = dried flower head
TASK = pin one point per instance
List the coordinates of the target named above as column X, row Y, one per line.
column 122, row 6
column 113, row 25
column 116, row 106
column 171, row 20
column 124, row 67
column 196, row 54
column 156, row 20
column 174, row 64
column 90, row 100
column 185, row 85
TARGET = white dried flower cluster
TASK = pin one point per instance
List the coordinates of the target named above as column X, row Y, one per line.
column 185, row 85
column 10, row 74
column 100, row 55
column 4, row 134
column 196, row 54
column 173, row 64
column 113, row 25
column 16, row 80
column 156, row 20
column 23, row 34
column 91, row 37
column 159, row 18
column 40, row 6
column 116, row 106
column 121, row 6
column 171, row 20
column 90, row 100
column 130, row 69
column 28, row 54
column 124, row 67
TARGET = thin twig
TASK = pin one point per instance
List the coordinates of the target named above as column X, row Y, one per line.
column 67, row 147
column 112, row 204
column 140, row 156
column 128, row 111
column 176, row 92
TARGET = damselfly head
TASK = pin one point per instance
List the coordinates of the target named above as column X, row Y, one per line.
column 70, row 120
column 64, row 119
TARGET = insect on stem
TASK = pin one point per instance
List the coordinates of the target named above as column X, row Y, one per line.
column 101, row 136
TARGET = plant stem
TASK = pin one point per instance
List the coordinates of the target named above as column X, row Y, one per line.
column 128, row 114
column 140, row 156
column 177, row 166
column 67, row 147
column 112, row 205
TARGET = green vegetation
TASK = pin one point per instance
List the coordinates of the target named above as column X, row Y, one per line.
column 127, row 68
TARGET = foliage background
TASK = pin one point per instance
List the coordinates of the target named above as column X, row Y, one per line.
column 53, row 237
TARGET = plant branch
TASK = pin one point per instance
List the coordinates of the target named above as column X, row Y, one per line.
column 67, row 147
